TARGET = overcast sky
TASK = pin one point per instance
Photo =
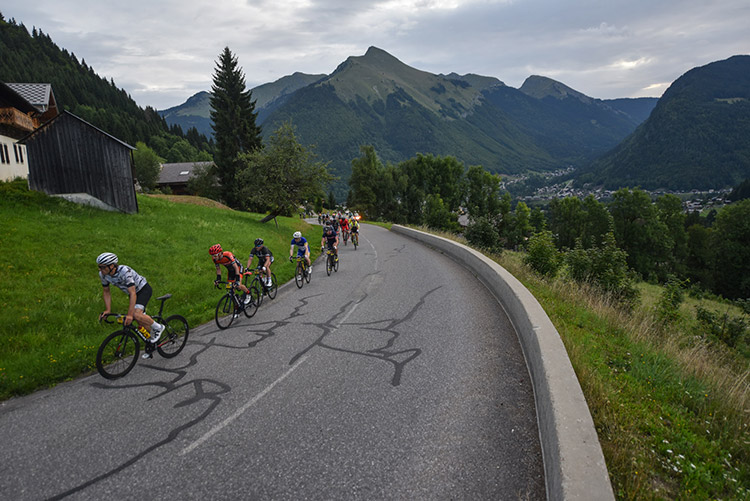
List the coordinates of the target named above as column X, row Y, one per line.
column 163, row 51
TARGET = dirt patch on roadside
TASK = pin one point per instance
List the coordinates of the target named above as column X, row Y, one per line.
column 189, row 199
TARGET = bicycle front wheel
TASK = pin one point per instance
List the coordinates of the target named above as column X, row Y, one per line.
column 225, row 311
column 335, row 264
column 272, row 290
column 117, row 354
column 299, row 276
column 256, row 296
column 174, row 337
column 329, row 264
column 256, row 291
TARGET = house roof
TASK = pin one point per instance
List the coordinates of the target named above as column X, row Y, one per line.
column 66, row 113
column 10, row 97
column 38, row 94
column 175, row 173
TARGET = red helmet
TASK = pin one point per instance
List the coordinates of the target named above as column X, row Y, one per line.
column 214, row 249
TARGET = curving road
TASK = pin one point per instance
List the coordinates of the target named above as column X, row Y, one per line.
column 398, row 377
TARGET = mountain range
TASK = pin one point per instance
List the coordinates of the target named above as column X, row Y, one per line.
column 377, row 100
column 697, row 137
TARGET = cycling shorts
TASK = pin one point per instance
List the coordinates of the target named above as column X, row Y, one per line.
column 142, row 297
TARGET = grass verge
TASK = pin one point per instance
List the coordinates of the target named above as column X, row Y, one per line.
column 50, row 293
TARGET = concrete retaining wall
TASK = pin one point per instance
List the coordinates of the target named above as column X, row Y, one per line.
column 573, row 461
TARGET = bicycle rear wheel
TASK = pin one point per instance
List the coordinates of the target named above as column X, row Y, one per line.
column 117, row 354
column 256, row 296
column 225, row 311
column 174, row 337
column 299, row 275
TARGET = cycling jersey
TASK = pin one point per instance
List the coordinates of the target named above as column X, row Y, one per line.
column 228, row 259
column 344, row 224
column 124, row 277
column 261, row 253
column 355, row 227
column 330, row 238
column 300, row 246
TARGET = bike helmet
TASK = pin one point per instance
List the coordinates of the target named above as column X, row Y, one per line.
column 297, row 234
column 258, row 242
column 106, row 258
column 215, row 249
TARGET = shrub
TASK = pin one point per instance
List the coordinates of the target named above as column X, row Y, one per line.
column 668, row 306
column 543, row 256
column 482, row 233
column 729, row 329
column 606, row 267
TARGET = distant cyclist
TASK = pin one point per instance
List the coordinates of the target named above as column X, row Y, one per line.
column 303, row 249
column 354, row 225
column 233, row 266
column 344, row 225
column 265, row 258
column 135, row 286
column 330, row 241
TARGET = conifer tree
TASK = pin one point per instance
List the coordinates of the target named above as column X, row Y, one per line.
column 233, row 115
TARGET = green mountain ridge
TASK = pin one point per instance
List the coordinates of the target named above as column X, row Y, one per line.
column 376, row 99
column 697, row 136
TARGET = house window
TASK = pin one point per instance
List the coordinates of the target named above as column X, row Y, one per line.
column 7, row 155
column 20, row 153
column 184, row 172
column 2, row 154
column 15, row 151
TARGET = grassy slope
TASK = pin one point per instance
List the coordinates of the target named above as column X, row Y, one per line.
column 50, row 294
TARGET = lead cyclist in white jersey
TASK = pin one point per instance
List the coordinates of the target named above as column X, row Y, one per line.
column 135, row 286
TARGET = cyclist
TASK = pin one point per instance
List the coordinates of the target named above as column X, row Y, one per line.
column 334, row 223
column 303, row 249
column 354, row 224
column 344, row 224
column 331, row 240
column 265, row 258
column 135, row 286
column 233, row 266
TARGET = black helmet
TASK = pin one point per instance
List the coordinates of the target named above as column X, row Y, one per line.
column 258, row 242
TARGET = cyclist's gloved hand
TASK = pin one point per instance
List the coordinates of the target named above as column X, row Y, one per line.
column 291, row 258
column 103, row 315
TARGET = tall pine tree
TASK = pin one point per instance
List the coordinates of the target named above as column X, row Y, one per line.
column 233, row 115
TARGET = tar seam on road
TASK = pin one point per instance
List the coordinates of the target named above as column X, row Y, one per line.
column 210, row 433
column 240, row 411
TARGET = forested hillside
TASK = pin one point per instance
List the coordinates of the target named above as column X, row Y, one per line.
column 697, row 137
column 32, row 57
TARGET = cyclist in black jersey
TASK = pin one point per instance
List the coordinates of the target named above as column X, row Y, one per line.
column 265, row 258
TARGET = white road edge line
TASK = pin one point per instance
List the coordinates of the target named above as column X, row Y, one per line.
column 241, row 410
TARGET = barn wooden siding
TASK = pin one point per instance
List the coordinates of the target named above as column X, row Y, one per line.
column 69, row 155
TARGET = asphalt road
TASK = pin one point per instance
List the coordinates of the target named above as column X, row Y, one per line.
column 398, row 377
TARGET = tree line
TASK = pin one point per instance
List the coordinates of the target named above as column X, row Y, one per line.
column 34, row 57
column 630, row 237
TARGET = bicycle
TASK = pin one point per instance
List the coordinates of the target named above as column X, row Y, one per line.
column 231, row 304
column 355, row 240
column 332, row 264
column 302, row 273
column 345, row 234
column 258, row 283
column 119, row 351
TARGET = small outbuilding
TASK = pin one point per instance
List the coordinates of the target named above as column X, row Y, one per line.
column 70, row 157
column 175, row 176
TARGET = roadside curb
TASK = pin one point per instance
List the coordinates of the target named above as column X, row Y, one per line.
column 574, row 464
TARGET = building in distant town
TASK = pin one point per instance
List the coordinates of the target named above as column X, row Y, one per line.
column 175, row 176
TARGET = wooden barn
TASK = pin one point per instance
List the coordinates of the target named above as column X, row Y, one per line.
column 70, row 157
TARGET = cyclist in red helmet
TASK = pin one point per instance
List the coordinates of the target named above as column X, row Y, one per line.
column 233, row 266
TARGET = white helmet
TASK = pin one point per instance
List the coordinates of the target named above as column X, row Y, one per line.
column 297, row 234
column 106, row 258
